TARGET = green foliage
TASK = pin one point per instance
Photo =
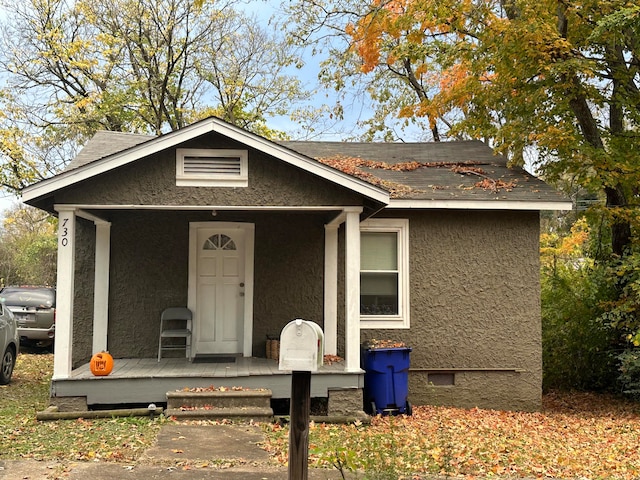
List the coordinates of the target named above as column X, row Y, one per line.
column 379, row 462
column 579, row 348
column 630, row 373
column 560, row 79
column 623, row 312
column 28, row 248
column 335, row 452
column 144, row 66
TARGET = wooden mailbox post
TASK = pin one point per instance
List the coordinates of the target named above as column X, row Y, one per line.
column 301, row 351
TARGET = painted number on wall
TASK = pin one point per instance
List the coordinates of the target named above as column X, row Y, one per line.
column 64, row 232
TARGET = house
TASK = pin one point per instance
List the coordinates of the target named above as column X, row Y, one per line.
column 431, row 244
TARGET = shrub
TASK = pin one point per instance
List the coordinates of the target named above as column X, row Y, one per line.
column 630, row 373
column 579, row 348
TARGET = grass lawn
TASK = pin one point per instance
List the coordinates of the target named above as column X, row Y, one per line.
column 577, row 435
column 22, row 436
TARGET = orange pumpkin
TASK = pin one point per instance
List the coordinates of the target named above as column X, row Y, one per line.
column 101, row 364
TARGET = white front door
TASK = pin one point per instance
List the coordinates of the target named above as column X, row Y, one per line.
column 218, row 285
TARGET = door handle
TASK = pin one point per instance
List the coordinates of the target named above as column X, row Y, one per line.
column 242, row 284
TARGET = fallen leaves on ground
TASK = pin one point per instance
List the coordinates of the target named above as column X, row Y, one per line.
column 583, row 436
column 22, row 436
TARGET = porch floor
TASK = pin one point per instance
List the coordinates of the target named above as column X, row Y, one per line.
column 145, row 380
column 181, row 367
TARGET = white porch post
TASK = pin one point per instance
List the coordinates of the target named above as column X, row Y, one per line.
column 331, row 289
column 101, row 286
column 64, row 292
column 352, row 290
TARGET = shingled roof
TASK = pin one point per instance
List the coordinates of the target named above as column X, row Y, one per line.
column 459, row 170
column 105, row 143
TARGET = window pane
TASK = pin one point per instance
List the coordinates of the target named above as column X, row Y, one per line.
column 378, row 251
column 219, row 242
column 226, row 243
column 379, row 293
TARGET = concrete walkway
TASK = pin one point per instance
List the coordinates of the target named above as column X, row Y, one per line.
column 181, row 452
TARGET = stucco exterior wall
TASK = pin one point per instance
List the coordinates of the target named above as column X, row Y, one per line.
column 475, row 309
column 149, row 272
column 84, row 291
column 289, row 272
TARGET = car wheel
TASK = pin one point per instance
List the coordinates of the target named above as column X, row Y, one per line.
column 6, row 368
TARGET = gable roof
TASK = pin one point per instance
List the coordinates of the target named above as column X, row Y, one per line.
column 458, row 174
column 105, row 152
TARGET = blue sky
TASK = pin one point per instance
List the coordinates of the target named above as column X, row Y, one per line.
column 6, row 201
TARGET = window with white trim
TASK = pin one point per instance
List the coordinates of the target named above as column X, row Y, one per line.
column 384, row 273
column 203, row 167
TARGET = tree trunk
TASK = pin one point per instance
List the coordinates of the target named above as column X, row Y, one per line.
column 620, row 229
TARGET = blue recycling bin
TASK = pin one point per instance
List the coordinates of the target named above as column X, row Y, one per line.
column 386, row 380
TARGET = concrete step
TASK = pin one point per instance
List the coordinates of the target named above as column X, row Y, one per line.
column 241, row 404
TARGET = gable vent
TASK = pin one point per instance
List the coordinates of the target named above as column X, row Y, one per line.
column 200, row 167
column 212, row 165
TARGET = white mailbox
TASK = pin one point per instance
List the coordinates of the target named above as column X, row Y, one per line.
column 301, row 346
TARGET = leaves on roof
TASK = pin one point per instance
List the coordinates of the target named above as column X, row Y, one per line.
column 354, row 166
column 487, row 183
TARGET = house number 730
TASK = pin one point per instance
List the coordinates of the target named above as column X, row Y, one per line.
column 64, row 232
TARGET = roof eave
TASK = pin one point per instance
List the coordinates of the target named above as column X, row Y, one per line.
column 480, row 204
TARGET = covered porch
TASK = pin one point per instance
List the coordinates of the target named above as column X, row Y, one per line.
column 141, row 378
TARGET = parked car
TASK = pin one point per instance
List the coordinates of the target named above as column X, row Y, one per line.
column 9, row 343
column 35, row 311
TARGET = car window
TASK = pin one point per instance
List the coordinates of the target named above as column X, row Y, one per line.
column 28, row 297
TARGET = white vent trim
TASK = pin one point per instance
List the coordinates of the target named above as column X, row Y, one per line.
column 204, row 167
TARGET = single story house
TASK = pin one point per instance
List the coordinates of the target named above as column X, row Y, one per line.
column 430, row 244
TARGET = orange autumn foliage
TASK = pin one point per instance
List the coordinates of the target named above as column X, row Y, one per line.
column 553, row 246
